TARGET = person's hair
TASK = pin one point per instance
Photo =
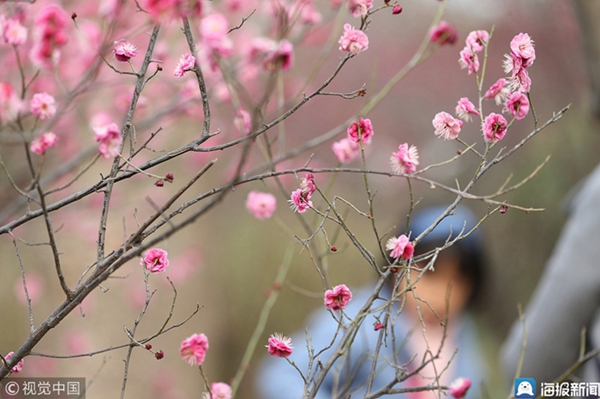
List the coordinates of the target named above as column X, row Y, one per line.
column 469, row 249
column 470, row 261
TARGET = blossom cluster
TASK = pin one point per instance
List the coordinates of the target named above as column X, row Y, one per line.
column 511, row 92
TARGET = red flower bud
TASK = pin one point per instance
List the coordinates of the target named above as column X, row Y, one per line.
column 148, row 346
column 334, row 249
column 159, row 354
column 397, row 9
column 169, row 177
column 159, row 183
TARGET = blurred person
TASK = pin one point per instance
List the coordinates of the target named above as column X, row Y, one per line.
column 460, row 268
column 566, row 300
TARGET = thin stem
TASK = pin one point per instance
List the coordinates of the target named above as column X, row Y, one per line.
column 262, row 320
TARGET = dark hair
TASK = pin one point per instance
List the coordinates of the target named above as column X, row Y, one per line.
column 469, row 249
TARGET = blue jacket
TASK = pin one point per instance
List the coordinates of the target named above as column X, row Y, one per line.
column 279, row 380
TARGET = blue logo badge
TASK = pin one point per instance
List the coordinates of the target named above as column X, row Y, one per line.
column 525, row 388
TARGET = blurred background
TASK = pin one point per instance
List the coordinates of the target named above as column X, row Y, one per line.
column 228, row 260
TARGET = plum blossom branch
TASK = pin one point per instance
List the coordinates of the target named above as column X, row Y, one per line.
column 124, row 133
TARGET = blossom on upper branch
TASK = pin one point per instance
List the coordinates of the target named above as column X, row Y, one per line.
column 193, row 349
column 18, row 367
column 521, row 57
column 10, row 103
column 477, row 40
column 186, row 63
column 337, row 298
column 261, row 205
column 465, row 108
column 299, row 201
column 155, row 260
column 280, row 345
column 494, row 127
column 518, row 105
column 39, row 144
column 13, row 32
column 353, row 40
column 443, row 33
column 42, row 105
column 359, row 8
column 109, row 137
column 459, row 387
column 49, row 36
column 213, row 32
column 498, row 91
column 124, row 50
column 218, row 390
column 360, row 130
column 405, row 160
column 446, row 125
column 345, row 150
column 400, row 247
column 468, row 59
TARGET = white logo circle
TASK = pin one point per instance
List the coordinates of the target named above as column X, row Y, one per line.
column 12, row 388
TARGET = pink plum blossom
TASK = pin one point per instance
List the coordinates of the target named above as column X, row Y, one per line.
column 213, row 30
column 109, row 137
column 520, row 81
column 400, row 247
column 39, row 144
column 42, row 105
column 49, row 36
column 511, row 64
column 218, row 390
column 405, row 160
column 443, row 33
column 459, row 387
column 494, row 127
column 13, row 32
column 307, row 184
column 10, row 103
column 279, row 345
column 446, row 125
column 282, row 55
column 193, row 349
column 465, row 108
column 498, row 91
column 18, row 367
column 477, row 40
column 518, row 105
column 359, row 8
column 468, row 59
column 155, row 260
column 345, row 150
column 186, row 63
column 521, row 46
column 124, row 50
column 337, row 298
column 261, row 205
column 271, row 54
column 353, row 40
column 397, row 9
column 366, row 130
column 299, row 201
